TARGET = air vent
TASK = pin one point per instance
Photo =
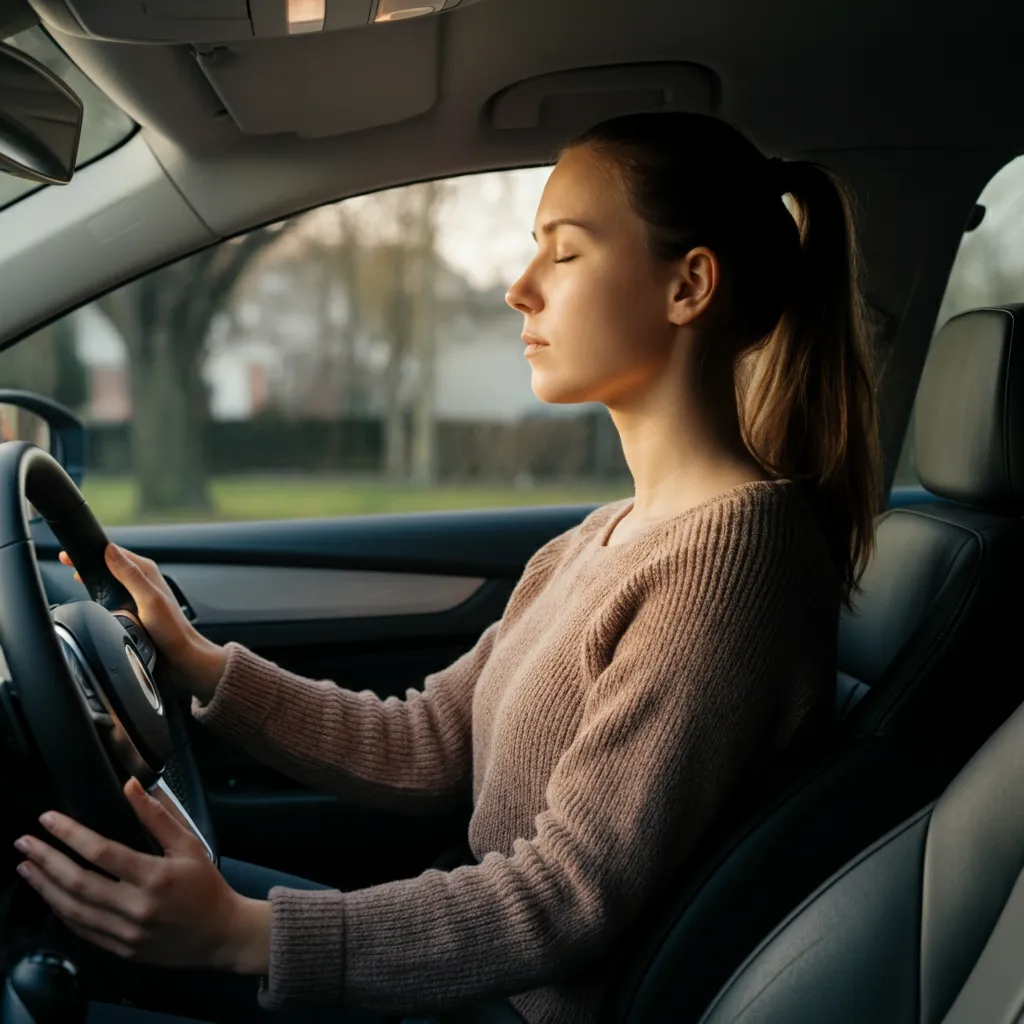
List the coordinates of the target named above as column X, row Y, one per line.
column 183, row 604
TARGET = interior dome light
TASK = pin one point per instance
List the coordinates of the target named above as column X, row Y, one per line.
column 399, row 10
column 306, row 16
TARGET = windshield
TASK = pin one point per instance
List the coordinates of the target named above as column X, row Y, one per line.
column 104, row 127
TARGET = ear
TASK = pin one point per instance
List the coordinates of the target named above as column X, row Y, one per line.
column 694, row 282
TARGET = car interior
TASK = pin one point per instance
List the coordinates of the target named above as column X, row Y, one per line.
column 877, row 878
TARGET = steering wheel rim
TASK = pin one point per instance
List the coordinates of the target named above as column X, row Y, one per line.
column 135, row 724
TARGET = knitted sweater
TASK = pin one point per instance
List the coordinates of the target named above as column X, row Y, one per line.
column 602, row 724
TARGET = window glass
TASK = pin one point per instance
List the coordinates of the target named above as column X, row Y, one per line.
column 359, row 358
column 104, row 125
column 988, row 269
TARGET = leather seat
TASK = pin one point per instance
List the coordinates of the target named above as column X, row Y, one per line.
column 925, row 927
column 922, row 656
column 921, row 685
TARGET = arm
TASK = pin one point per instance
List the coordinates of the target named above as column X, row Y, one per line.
column 414, row 753
column 389, row 752
column 670, row 725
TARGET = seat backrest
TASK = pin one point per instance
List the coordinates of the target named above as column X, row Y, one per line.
column 924, row 927
column 920, row 656
column 939, row 611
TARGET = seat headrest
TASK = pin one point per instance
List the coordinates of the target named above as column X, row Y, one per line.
column 969, row 421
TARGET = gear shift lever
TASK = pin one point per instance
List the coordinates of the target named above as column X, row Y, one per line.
column 43, row 988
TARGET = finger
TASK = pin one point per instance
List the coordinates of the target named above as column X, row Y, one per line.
column 114, row 858
column 71, row 877
column 119, row 562
column 78, row 913
column 161, row 824
column 146, row 566
column 65, row 559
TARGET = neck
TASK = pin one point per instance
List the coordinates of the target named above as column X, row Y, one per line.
column 682, row 441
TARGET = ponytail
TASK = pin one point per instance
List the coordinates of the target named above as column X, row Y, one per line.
column 797, row 323
column 808, row 405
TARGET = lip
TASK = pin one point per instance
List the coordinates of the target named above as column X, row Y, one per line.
column 532, row 344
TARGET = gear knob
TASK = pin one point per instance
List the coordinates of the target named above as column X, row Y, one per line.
column 43, row 988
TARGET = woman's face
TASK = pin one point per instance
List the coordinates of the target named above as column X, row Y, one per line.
column 594, row 298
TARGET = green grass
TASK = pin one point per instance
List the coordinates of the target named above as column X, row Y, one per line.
column 114, row 500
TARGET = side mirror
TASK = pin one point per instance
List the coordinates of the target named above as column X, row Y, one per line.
column 25, row 416
column 40, row 120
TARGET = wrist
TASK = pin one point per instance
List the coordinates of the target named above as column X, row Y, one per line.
column 247, row 950
column 208, row 661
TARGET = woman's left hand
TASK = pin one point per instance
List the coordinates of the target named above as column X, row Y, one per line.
column 172, row 911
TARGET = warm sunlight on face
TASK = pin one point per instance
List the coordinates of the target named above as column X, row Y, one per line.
column 593, row 297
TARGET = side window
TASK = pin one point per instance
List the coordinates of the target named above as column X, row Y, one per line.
column 988, row 269
column 356, row 359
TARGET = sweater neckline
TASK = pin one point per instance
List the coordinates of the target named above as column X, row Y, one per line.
column 730, row 493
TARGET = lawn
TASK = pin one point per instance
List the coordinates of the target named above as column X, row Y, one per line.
column 114, row 500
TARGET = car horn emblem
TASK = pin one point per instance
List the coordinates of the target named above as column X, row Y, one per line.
column 144, row 679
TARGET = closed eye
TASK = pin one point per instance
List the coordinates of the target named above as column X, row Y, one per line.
column 564, row 259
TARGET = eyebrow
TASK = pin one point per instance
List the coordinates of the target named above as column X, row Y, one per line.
column 563, row 221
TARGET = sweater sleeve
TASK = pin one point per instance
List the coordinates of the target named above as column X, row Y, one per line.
column 675, row 714
column 412, row 754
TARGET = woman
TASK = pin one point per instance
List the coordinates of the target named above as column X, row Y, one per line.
column 650, row 661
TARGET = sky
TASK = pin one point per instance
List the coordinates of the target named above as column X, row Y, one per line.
column 484, row 228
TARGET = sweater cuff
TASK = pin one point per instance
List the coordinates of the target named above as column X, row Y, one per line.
column 307, row 947
column 245, row 695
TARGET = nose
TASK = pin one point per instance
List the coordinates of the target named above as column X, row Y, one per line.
column 523, row 296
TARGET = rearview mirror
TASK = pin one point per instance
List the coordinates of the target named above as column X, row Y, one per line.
column 40, row 120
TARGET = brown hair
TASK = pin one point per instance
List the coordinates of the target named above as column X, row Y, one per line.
column 801, row 351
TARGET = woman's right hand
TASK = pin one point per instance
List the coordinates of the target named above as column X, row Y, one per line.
column 188, row 659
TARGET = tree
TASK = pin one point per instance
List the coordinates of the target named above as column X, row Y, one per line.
column 397, row 288
column 71, row 381
column 164, row 319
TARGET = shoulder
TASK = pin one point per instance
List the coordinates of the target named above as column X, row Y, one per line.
column 555, row 557
column 728, row 581
column 552, row 554
column 760, row 538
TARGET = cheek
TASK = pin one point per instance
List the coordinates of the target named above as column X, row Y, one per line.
column 611, row 311
column 608, row 331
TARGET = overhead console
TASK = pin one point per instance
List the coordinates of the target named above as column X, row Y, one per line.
column 211, row 73
column 227, row 21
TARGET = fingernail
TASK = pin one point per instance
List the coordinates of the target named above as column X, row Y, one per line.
column 47, row 819
column 22, row 845
column 25, row 871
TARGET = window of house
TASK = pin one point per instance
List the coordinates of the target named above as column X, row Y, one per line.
column 988, row 270
column 104, row 125
column 356, row 359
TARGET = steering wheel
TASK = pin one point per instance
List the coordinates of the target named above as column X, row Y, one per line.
column 82, row 672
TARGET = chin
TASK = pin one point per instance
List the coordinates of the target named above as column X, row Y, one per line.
column 560, row 392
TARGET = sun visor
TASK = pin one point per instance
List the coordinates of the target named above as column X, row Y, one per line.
column 328, row 84
column 227, row 21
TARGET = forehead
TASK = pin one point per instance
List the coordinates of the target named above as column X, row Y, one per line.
column 584, row 184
